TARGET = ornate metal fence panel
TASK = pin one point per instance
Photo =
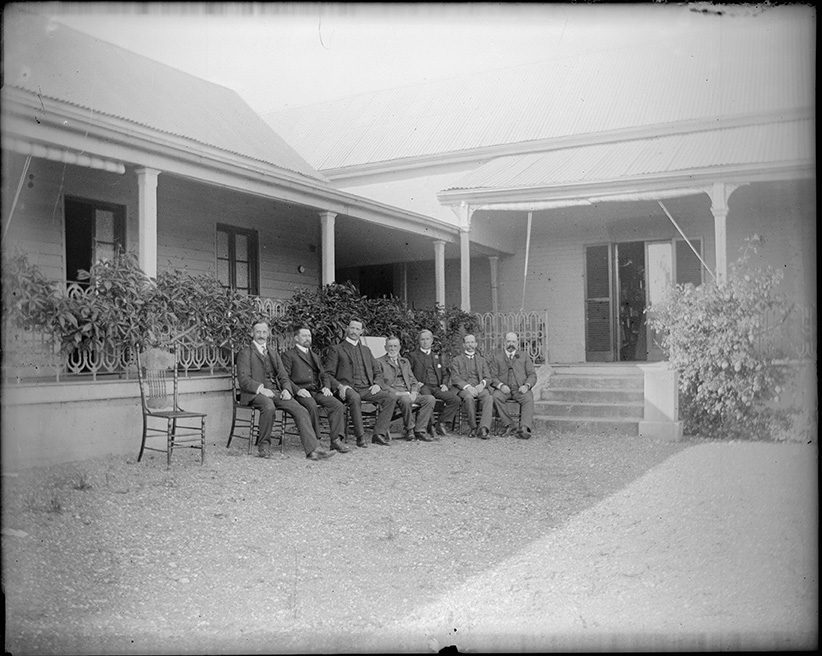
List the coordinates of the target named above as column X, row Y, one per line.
column 35, row 356
column 530, row 326
column 790, row 336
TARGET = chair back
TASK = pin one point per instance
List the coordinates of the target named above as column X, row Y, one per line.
column 235, row 384
column 374, row 342
column 158, row 385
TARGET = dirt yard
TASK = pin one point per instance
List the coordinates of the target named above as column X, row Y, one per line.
column 560, row 542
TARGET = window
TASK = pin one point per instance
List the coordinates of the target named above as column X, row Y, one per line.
column 237, row 259
column 94, row 232
column 688, row 266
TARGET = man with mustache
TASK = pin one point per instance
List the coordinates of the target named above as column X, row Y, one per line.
column 512, row 377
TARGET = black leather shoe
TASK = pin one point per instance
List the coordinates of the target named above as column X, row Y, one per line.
column 524, row 434
column 472, row 432
column 379, row 439
column 320, row 454
column 337, row 445
column 423, row 437
column 362, row 443
column 484, row 433
column 409, row 436
column 509, row 430
column 439, row 428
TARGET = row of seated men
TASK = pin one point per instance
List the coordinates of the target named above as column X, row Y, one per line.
column 299, row 383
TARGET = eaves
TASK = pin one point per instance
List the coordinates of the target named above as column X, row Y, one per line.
column 47, row 121
column 688, row 181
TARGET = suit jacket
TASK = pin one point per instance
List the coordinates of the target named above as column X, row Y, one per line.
column 441, row 366
column 391, row 374
column 251, row 373
column 340, row 365
column 459, row 370
column 305, row 370
column 521, row 367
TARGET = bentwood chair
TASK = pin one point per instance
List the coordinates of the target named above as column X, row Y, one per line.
column 165, row 424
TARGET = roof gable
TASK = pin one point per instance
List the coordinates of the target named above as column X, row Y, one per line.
column 53, row 61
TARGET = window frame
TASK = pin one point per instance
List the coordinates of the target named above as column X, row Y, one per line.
column 253, row 257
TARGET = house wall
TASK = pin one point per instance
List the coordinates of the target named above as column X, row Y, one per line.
column 187, row 216
column 37, row 226
column 782, row 213
column 422, row 291
column 288, row 236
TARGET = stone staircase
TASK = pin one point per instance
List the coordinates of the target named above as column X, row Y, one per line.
column 592, row 397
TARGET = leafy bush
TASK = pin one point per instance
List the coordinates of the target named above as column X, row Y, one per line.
column 712, row 334
column 129, row 309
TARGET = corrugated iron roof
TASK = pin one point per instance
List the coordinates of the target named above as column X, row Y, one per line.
column 54, row 61
column 589, row 93
column 766, row 144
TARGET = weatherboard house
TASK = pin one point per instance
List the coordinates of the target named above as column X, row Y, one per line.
column 564, row 192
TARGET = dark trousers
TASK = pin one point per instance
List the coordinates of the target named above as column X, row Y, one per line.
column 334, row 409
column 268, row 408
column 384, row 400
column 449, row 399
column 486, row 408
column 425, row 408
column 526, row 407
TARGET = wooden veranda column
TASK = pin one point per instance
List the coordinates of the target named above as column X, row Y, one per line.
column 327, row 244
column 463, row 212
column 439, row 271
column 493, row 263
column 720, row 192
column 147, row 220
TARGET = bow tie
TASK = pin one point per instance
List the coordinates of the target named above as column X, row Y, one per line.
column 470, row 357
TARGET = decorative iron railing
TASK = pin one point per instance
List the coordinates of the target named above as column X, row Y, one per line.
column 791, row 335
column 35, row 356
column 531, row 327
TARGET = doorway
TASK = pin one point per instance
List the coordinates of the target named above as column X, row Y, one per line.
column 615, row 302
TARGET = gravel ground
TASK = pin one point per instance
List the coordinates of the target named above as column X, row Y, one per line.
column 559, row 542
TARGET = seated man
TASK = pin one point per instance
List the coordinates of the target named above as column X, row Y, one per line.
column 512, row 377
column 264, row 385
column 356, row 376
column 397, row 374
column 313, row 387
column 432, row 370
column 470, row 376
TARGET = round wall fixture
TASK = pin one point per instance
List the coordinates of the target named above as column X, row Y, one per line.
column 301, row 269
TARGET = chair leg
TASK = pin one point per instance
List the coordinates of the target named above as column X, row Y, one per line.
column 143, row 441
column 233, row 424
column 171, row 430
column 202, row 441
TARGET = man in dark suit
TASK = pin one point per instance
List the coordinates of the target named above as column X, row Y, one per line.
column 512, row 377
column 313, row 387
column 396, row 371
column 431, row 369
column 470, row 376
column 356, row 376
column 264, row 385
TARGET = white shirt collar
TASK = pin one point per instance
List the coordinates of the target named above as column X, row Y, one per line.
column 302, row 348
column 348, row 339
column 428, row 352
column 261, row 348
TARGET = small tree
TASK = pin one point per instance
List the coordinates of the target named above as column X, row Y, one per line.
column 712, row 335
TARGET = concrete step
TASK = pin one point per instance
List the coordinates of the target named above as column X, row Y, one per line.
column 587, row 425
column 580, row 395
column 634, row 382
column 633, row 411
